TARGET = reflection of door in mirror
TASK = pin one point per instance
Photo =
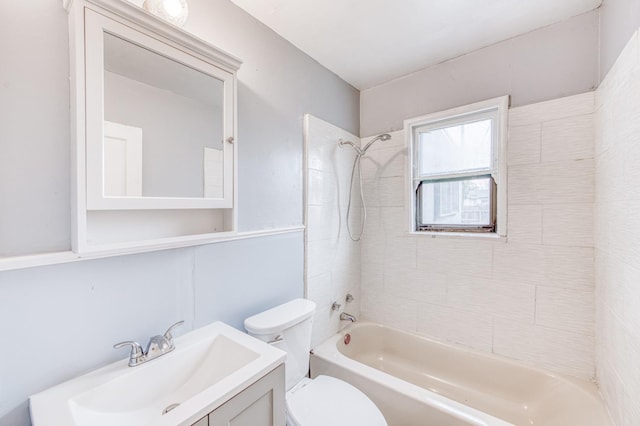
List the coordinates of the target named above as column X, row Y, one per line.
column 180, row 112
column 213, row 180
column 122, row 160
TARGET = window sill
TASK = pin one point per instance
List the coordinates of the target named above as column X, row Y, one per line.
column 455, row 235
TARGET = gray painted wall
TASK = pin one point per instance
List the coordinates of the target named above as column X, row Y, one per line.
column 59, row 321
column 34, row 128
column 619, row 19
column 548, row 63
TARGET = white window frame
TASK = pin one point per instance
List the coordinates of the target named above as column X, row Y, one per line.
column 499, row 161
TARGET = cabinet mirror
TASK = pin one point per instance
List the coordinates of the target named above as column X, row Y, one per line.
column 159, row 122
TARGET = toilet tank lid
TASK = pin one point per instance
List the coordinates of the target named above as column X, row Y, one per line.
column 281, row 317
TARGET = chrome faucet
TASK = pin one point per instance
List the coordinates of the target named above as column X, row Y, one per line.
column 157, row 346
column 347, row 317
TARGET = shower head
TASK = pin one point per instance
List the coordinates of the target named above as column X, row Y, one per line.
column 382, row 137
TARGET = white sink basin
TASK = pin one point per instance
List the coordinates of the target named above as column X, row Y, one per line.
column 209, row 366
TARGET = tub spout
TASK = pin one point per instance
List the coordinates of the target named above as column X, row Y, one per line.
column 347, row 317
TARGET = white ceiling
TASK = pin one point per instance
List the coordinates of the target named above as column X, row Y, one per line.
column 368, row 42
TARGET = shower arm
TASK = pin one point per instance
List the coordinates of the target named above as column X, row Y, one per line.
column 361, row 151
column 356, row 147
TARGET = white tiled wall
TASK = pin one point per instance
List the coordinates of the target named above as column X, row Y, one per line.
column 617, row 236
column 332, row 260
column 530, row 297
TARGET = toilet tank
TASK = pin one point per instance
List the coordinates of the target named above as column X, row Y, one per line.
column 287, row 327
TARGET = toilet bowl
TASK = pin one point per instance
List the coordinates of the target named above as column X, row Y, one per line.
column 310, row 402
column 326, row 400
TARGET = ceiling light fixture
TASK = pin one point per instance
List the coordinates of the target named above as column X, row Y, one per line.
column 173, row 11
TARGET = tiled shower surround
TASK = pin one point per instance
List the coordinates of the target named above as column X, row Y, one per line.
column 332, row 259
column 617, row 236
column 573, row 167
column 529, row 296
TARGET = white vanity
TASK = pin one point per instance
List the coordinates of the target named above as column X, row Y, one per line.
column 154, row 129
column 216, row 375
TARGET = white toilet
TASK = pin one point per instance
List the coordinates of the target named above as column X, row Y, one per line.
column 324, row 400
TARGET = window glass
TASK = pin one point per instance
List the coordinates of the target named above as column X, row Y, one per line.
column 463, row 202
column 457, row 148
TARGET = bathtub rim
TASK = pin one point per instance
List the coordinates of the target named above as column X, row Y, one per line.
column 328, row 351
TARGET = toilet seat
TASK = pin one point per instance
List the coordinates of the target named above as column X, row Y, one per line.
column 329, row 401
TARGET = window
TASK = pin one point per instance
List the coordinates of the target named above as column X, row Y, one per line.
column 458, row 169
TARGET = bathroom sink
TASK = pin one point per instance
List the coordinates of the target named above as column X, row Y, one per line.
column 209, row 366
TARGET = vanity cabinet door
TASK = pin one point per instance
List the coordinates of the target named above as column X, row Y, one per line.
column 261, row 404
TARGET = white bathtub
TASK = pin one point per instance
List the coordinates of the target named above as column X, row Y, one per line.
column 417, row 381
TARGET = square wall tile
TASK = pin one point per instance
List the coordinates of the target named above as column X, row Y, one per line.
column 471, row 257
column 630, row 408
column 549, row 183
column 611, row 389
column 372, row 249
column 400, row 252
column 390, row 190
column 570, row 138
column 346, row 257
column 557, row 350
column 524, row 223
column 631, row 157
column 390, row 310
column 323, row 222
column 568, row 224
column 394, row 221
column 565, row 309
column 322, row 188
column 568, row 267
column 416, row 285
column 518, row 263
column 371, row 192
column 554, row 109
column 508, row 300
column 371, row 277
column 321, row 256
column 524, row 144
column 319, row 289
column 343, row 282
column 628, row 292
column 373, row 222
column 325, row 324
column 388, row 162
column 471, row 329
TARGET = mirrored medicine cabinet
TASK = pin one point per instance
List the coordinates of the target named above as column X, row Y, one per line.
column 154, row 129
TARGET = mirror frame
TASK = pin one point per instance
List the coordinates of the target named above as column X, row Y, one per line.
column 96, row 25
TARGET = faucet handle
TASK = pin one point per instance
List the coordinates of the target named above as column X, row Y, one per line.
column 136, row 354
column 167, row 334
